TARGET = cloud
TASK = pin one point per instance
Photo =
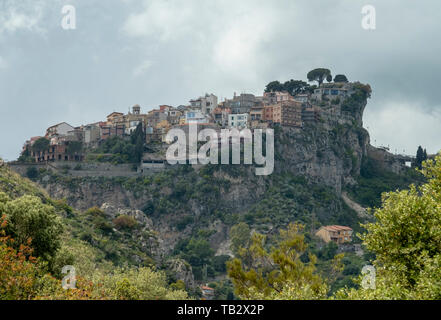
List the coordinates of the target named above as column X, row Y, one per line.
column 142, row 68
column 404, row 126
column 218, row 39
column 163, row 20
column 155, row 52
column 23, row 16
column 3, row 63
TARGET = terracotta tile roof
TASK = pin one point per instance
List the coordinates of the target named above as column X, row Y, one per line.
column 337, row 228
column 206, row 288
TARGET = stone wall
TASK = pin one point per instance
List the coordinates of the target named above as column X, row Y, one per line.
column 82, row 169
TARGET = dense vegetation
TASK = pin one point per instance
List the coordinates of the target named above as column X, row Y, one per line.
column 118, row 149
column 102, row 247
column 37, row 238
column 405, row 240
column 374, row 180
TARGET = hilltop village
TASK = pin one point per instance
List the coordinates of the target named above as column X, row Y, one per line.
column 304, row 105
column 182, row 217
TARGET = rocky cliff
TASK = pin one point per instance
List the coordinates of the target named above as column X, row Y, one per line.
column 313, row 166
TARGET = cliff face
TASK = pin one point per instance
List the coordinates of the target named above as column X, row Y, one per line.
column 329, row 157
column 327, row 153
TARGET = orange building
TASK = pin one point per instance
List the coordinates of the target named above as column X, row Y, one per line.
column 288, row 113
column 338, row 234
column 267, row 114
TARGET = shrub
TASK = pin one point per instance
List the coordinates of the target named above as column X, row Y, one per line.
column 102, row 224
column 140, row 284
column 125, row 222
column 32, row 173
column 184, row 222
column 28, row 218
column 95, row 211
column 220, row 263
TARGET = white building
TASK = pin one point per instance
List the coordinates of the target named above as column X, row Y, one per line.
column 238, row 120
column 132, row 126
column 302, row 97
column 60, row 129
column 206, row 104
column 195, row 117
column 91, row 133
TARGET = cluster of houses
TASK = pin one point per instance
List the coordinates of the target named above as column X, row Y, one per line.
column 242, row 111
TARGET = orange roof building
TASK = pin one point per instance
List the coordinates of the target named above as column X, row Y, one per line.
column 338, row 234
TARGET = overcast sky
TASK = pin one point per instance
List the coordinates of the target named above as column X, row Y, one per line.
column 151, row 52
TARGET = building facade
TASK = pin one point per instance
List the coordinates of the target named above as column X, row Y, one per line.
column 288, row 113
column 335, row 233
column 239, row 121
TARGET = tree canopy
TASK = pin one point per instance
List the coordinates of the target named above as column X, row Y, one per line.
column 421, row 156
column 293, row 87
column 41, row 144
column 74, row 147
column 406, row 240
column 340, row 78
column 30, row 219
column 319, row 75
column 277, row 273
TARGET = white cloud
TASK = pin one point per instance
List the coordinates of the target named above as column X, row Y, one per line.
column 404, row 126
column 240, row 43
column 229, row 36
column 164, row 20
column 142, row 68
column 26, row 15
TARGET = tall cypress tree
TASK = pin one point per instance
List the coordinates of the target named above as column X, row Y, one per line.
column 419, row 157
column 138, row 139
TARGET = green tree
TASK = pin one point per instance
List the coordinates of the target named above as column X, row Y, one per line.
column 28, row 218
column 74, row 147
column 138, row 138
column 125, row 222
column 138, row 284
column 240, row 235
column 274, row 86
column 277, row 273
column 406, row 239
column 340, row 78
column 25, row 156
column 219, row 263
column 32, row 173
column 41, row 144
column 295, row 86
column 419, row 157
column 319, row 75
